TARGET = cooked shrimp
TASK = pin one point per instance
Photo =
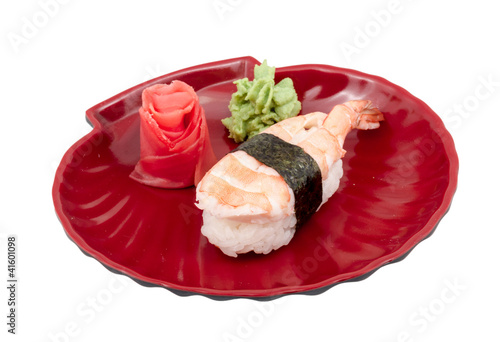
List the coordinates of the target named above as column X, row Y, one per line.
column 322, row 136
column 248, row 206
column 244, row 187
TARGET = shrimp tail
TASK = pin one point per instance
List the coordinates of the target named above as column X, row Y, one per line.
column 364, row 115
column 343, row 118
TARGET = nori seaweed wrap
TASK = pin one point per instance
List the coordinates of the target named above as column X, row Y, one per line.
column 299, row 170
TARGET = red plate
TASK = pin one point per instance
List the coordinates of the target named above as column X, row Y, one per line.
column 398, row 183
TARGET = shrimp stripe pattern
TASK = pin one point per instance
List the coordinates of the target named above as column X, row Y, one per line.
column 299, row 170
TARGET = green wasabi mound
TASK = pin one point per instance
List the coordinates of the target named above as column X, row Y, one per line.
column 260, row 103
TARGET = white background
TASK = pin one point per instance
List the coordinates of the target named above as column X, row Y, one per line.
column 60, row 58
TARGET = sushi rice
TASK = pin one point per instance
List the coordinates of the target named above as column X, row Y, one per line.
column 241, row 232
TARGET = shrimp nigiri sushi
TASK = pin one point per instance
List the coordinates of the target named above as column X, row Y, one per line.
column 257, row 195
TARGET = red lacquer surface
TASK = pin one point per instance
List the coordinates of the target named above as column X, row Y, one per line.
column 398, row 182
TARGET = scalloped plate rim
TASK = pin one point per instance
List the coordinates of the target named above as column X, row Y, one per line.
column 263, row 294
